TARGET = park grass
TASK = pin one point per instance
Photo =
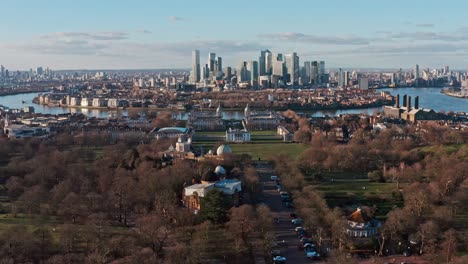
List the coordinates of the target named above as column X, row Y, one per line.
column 268, row 149
column 360, row 192
column 443, row 150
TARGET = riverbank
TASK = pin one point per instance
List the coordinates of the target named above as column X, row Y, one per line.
column 5, row 92
column 454, row 94
column 236, row 109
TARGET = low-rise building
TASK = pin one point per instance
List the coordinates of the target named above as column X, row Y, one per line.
column 237, row 135
column 172, row 132
column 360, row 225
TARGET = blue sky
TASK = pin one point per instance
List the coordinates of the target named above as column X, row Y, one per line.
column 74, row 34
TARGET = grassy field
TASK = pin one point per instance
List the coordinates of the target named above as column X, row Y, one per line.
column 267, row 149
column 361, row 192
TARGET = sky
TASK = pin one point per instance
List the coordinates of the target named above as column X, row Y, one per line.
column 144, row 34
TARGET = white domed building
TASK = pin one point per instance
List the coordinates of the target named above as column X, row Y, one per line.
column 223, row 149
column 220, row 171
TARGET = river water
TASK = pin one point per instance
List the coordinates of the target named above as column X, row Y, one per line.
column 428, row 98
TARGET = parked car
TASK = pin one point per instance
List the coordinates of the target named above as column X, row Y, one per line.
column 293, row 215
column 299, row 228
column 273, row 178
column 289, row 205
column 306, row 240
column 279, row 260
column 302, row 245
column 297, row 221
column 301, row 234
column 310, row 253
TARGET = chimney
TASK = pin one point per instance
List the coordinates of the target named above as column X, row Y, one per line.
column 404, row 100
column 408, row 104
column 416, row 102
column 397, row 99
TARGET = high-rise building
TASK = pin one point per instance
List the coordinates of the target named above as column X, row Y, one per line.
column 219, row 65
column 292, row 65
column 322, row 77
column 39, row 70
column 228, row 73
column 242, row 72
column 416, row 72
column 211, row 61
column 278, row 66
column 268, row 62
column 262, row 69
column 196, row 74
column 252, row 68
column 2, row 71
column 346, row 78
column 363, row 83
column 205, row 74
column 307, row 71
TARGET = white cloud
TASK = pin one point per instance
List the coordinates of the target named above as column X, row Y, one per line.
column 315, row 39
column 175, row 18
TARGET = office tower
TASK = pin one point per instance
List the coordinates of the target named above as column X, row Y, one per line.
column 307, row 71
column 322, row 78
column 346, row 78
column 278, row 66
column 196, row 74
column 252, row 68
column 292, row 65
column 314, row 72
column 416, row 75
column 446, row 69
column 340, row 77
column 262, row 65
column 152, row 82
column 242, row 73
column 205, row 72
column 268, row 62
column 39, row 70
column 2, row 71
column 363, row 83
column 228, row 73
column 211, row 61
column 219, row 65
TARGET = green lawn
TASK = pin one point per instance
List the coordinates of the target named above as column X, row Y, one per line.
column 267, row 149
column 361, row 192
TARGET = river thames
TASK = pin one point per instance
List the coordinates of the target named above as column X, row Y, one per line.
column 428, row 98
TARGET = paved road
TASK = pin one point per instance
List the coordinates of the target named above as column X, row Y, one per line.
column 284, row 229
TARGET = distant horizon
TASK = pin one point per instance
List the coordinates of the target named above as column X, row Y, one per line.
column 189, row 69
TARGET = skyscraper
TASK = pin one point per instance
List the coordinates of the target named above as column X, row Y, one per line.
column 252, row 68
column 242, row 72
column 307, row 71
column 268, row 62
column 292, row 64
column 416, row 72
column 346, row 78
column 321, row 71
column 196, row 66
column 219, row 65
column 211, row 61
column 2, row 71
column 39, row 70
column 278, row 66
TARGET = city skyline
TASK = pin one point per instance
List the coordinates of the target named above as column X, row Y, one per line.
column 141, row 35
